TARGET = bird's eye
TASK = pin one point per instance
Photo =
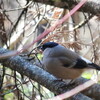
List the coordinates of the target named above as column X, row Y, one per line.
column 39, row 47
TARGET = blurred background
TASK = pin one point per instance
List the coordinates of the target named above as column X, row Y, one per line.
column 22, row 21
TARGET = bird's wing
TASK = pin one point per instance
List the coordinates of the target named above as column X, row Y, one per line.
column 66, row 62
column 77, row 64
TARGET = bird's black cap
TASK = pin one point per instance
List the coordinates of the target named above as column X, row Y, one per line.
column 48, row 45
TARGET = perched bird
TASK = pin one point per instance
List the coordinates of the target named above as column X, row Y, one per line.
column 64, row 63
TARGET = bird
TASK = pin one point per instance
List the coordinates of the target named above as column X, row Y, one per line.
column 64, row 63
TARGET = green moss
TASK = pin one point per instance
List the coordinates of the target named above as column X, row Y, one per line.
column 40, row 56
column 9, row 96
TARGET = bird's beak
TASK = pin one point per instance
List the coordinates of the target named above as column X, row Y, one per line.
column 40, row 48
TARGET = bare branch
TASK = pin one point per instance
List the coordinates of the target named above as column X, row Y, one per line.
column 93, row 91
column 35, row 73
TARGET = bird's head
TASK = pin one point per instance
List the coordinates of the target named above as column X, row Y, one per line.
column 48, row 45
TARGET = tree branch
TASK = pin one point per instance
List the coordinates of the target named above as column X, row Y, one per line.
column 91, row 6
column 93, row 91
column 37, row 74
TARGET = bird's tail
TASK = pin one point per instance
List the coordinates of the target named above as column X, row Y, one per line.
column 94, row 66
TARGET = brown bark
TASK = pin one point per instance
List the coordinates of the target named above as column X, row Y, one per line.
column 92, row 6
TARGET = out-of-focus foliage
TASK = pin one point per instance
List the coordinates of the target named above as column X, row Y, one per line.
column 87, row 75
